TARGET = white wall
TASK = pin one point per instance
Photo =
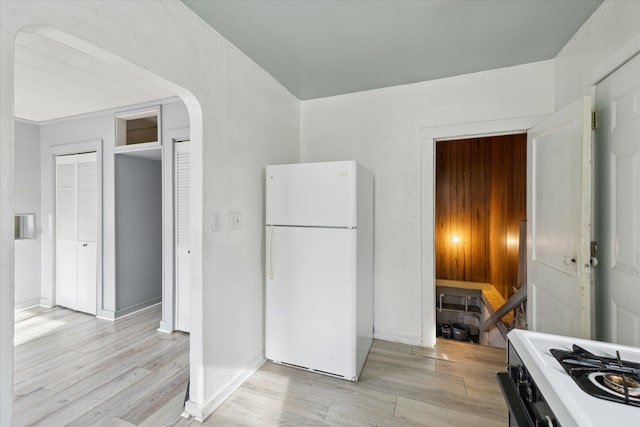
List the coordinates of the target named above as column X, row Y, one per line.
column 138, row 216
column 609, row 37
column 27, row 200
column 382, row 130
column 240, row 119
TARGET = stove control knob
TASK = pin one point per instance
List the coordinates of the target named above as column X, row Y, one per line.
column 529, row 391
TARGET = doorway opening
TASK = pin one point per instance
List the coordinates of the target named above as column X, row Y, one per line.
column 138, row 226
column 480, row 232
column 129, row 243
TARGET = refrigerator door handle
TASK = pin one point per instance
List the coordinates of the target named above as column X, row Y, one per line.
column 269, row 260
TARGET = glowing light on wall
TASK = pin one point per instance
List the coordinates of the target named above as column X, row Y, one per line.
column 455, row 238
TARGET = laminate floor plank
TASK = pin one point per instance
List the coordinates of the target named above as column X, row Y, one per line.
column 88, row 401
column 25, row 313
column 383, row 355
column 358, row 411
column 167, row 414
column 73, row 369
column 434, row 415
column 469, row 371
column 488, row 391
column 65, row 337
column 155, row 399
column 28, row 401
column 459, row 351
column 116, row 422
column 45, row 325
column 88, row 385
column 92, row 362
column 398, row 387
column 410, row 383
column 134, row 395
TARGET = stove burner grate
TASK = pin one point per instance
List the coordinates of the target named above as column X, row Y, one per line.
column 594, row 375
column 598, row 379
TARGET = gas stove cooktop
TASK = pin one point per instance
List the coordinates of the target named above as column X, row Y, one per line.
column 603, row 377
column 570, row 373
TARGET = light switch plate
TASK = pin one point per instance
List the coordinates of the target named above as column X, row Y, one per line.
column 235, row 221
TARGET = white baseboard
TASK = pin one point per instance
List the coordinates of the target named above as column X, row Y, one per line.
column 106, row 315
column 165, row 326
column 201, row 412
column 28, row 304
column 398, row 337
column 137, row 307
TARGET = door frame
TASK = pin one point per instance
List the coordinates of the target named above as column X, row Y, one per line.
column 48, row 275
column 430, row 134
column 428, row 137
column 169, row 282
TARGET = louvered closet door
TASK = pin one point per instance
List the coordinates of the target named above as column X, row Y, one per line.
column 76, row 232
column 182, row 233
column 87, row 233
column 66, row 230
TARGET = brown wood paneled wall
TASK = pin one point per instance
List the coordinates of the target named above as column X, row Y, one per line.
column 462, row 209
column 508, row 201
column 480, row 198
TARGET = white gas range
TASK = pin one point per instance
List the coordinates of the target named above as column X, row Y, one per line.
column 578, row 384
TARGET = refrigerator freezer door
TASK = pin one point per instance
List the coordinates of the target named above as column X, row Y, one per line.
column 312, row 194
column 310, row 299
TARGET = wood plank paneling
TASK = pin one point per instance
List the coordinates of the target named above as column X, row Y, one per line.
column 481, row 198
column 508, row 204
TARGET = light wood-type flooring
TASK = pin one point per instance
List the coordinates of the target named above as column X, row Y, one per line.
column 74, row 369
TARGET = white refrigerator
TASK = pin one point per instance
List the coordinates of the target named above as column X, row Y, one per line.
column 319, row 266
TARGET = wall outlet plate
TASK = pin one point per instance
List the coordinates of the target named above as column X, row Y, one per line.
column 216, row 222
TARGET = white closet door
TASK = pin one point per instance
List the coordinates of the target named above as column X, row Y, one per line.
column 66, row 230
column 87, row 233
column 76, row 231
column 183, row 233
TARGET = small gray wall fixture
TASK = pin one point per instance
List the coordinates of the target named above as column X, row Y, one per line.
column 138, row 218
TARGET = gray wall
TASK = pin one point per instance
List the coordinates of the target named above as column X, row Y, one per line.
column 27, row 200
column 138, row 190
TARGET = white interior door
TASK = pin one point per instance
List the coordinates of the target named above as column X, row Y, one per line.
column 76, row 232
column 183, row 233
column 87, row 233
column 66, row 230
column 618, row 200
column 558, row 205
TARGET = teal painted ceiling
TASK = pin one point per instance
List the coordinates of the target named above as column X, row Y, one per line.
column 319, row 48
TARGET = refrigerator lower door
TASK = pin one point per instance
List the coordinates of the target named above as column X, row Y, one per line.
column 311, row 298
